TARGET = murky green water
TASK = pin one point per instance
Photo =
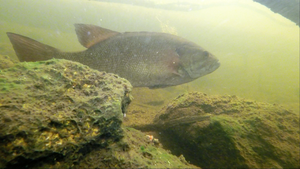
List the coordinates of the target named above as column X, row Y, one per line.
column 258, row 49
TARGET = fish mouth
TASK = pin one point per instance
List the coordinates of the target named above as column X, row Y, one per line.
column 215, row 66
column 203, row 69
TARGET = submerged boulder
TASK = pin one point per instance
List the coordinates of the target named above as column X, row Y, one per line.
column 229, row 132
column 58, row 109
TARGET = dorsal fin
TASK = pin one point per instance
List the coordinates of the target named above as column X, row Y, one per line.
column 88, row 35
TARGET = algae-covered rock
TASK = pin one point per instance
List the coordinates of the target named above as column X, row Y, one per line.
column 57, row 109
column 133, row 151
column 230, row 132
column 6, row 62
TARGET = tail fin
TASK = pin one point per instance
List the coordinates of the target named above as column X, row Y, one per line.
column 31, row 50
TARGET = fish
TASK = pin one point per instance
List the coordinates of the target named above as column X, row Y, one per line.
column 145, row 59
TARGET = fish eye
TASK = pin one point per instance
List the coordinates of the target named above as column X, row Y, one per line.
column 206, row 54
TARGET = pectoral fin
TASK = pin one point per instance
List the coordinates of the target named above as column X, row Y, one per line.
column 173, row 63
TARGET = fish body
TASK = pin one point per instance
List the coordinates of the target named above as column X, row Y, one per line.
column 146, row 59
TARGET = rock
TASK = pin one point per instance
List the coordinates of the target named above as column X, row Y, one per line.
column 56, row 111
column 229, row 132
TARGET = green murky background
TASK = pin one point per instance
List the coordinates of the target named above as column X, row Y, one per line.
column 258, row 49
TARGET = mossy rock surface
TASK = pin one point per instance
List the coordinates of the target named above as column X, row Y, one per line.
column 58, row 109
column 229, row 132
column 133, row 151
column 6, row 62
